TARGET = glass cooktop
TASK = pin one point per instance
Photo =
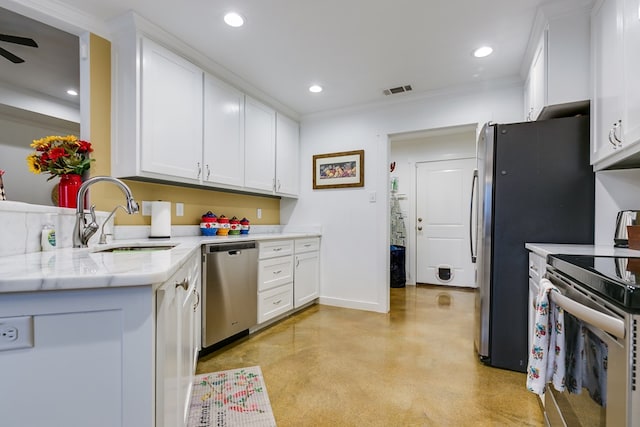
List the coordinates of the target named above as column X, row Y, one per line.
column 616, row 279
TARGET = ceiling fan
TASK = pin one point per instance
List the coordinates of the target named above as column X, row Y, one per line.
column 24, row 41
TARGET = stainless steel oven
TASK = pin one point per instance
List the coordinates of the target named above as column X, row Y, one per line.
column 600, row 294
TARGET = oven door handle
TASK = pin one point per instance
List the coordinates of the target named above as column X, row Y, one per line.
column 600, row 320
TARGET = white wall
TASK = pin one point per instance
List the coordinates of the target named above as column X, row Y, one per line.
column 355, row 235
column 616, row 190
column 459, row 144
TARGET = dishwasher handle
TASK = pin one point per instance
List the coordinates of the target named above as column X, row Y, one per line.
column 235, row 247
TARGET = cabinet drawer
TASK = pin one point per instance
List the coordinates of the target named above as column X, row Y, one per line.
column 275, row 248
column 274, row 302
column 307, row 245
column 275, row 272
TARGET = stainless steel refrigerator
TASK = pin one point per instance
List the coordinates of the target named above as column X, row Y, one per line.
column 533, row 183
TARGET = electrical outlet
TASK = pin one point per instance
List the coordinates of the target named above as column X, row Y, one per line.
column 146, row 208
column 179, row 209
column 259, row 213
column 16, row 332
column 8, row 334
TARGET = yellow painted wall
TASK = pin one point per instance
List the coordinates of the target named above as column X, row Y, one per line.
column 196, row 201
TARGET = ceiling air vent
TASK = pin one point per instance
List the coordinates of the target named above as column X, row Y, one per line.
column 399, row 89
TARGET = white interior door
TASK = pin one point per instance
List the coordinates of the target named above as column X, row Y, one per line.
column 443, row 192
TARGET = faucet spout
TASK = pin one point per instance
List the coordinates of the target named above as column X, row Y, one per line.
column 82, row 231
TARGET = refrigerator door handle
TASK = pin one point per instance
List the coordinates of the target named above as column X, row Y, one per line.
column 472, row 250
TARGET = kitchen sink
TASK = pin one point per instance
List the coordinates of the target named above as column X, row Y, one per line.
column 135, row 248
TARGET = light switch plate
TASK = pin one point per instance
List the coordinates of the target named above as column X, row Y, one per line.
column 372, row 197
column 179, row 209
column 259, row 213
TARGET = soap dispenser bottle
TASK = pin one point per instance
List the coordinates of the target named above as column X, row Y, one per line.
column 48, row 235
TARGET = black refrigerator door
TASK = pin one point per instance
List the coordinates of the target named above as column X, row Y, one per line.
column 543, row 192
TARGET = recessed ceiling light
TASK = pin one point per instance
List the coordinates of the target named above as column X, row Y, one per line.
column 315, row 88
column 72, row 92
column 234, row 19
column 483, row 51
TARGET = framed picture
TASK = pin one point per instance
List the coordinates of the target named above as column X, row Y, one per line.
column 338, row 170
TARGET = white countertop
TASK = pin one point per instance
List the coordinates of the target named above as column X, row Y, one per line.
column 544, row 249
column 84, row 268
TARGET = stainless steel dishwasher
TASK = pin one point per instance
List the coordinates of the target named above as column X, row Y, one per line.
column 229, row 290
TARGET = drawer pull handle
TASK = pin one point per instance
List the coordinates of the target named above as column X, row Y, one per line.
column 307, row 245
column 197, row 303
column 277, row 249
column 277, row 272
column 277, row 302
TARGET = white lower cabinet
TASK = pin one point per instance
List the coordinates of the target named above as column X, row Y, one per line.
column 306, row 284
column 177, row 303
column 288, row 275
column 90, row 362
column 275, row 278
column 274, row 302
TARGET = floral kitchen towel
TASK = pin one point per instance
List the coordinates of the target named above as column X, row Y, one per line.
column 547, row 356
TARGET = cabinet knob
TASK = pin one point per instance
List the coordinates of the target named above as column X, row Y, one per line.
column 184, row 284
column 419, row 228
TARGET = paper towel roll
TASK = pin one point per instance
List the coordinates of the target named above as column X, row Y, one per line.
column 160, row 219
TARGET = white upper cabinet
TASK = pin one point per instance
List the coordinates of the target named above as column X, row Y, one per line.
column 171, row 125
column 558, row 71
column 223, row 133
column 175, row 122
column 260, row 143
column 631, row 113
column 615, row 119
column 606, row 45
column 287, row 156
column 535, row 98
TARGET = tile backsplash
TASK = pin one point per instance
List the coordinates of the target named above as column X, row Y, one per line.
column 21, row 225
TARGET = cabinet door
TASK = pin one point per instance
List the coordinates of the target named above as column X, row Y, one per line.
column 287, row 156
column 171, row 113
column 606, row 43
column 223, row 133
column 167, row 372
column 631, row 119
column 306, row 279
column 187, row 343
column 538, row 77
column 260, row 140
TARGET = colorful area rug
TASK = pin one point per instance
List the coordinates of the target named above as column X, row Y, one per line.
column 237, row 397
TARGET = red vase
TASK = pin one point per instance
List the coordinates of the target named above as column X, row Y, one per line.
column 68, row 190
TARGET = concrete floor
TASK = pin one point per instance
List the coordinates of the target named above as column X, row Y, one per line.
column 415, row 366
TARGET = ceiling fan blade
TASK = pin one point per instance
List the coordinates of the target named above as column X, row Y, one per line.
column 10, row 56
column 18, row 40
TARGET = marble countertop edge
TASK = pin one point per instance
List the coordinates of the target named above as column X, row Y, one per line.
column 88, row 268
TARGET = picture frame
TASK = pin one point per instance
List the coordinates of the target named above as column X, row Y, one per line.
column 338, row 170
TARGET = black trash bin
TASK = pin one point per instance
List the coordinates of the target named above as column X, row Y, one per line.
column 398, row 273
